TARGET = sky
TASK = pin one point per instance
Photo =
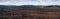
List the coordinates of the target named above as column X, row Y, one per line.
column 29, row 2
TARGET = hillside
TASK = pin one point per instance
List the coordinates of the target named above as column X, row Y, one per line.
column 29, row 12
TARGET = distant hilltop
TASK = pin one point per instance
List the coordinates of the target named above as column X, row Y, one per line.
column 27, row 6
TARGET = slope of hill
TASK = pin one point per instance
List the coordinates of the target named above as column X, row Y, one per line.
column 29, row 11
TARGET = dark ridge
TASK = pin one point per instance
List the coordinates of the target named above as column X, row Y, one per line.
column 52, row 6
column 27, row 6
column 23, row 6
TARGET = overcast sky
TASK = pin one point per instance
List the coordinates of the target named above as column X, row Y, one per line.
column 29, row 2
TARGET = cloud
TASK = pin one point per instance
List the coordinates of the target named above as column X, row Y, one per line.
column 30, row 2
